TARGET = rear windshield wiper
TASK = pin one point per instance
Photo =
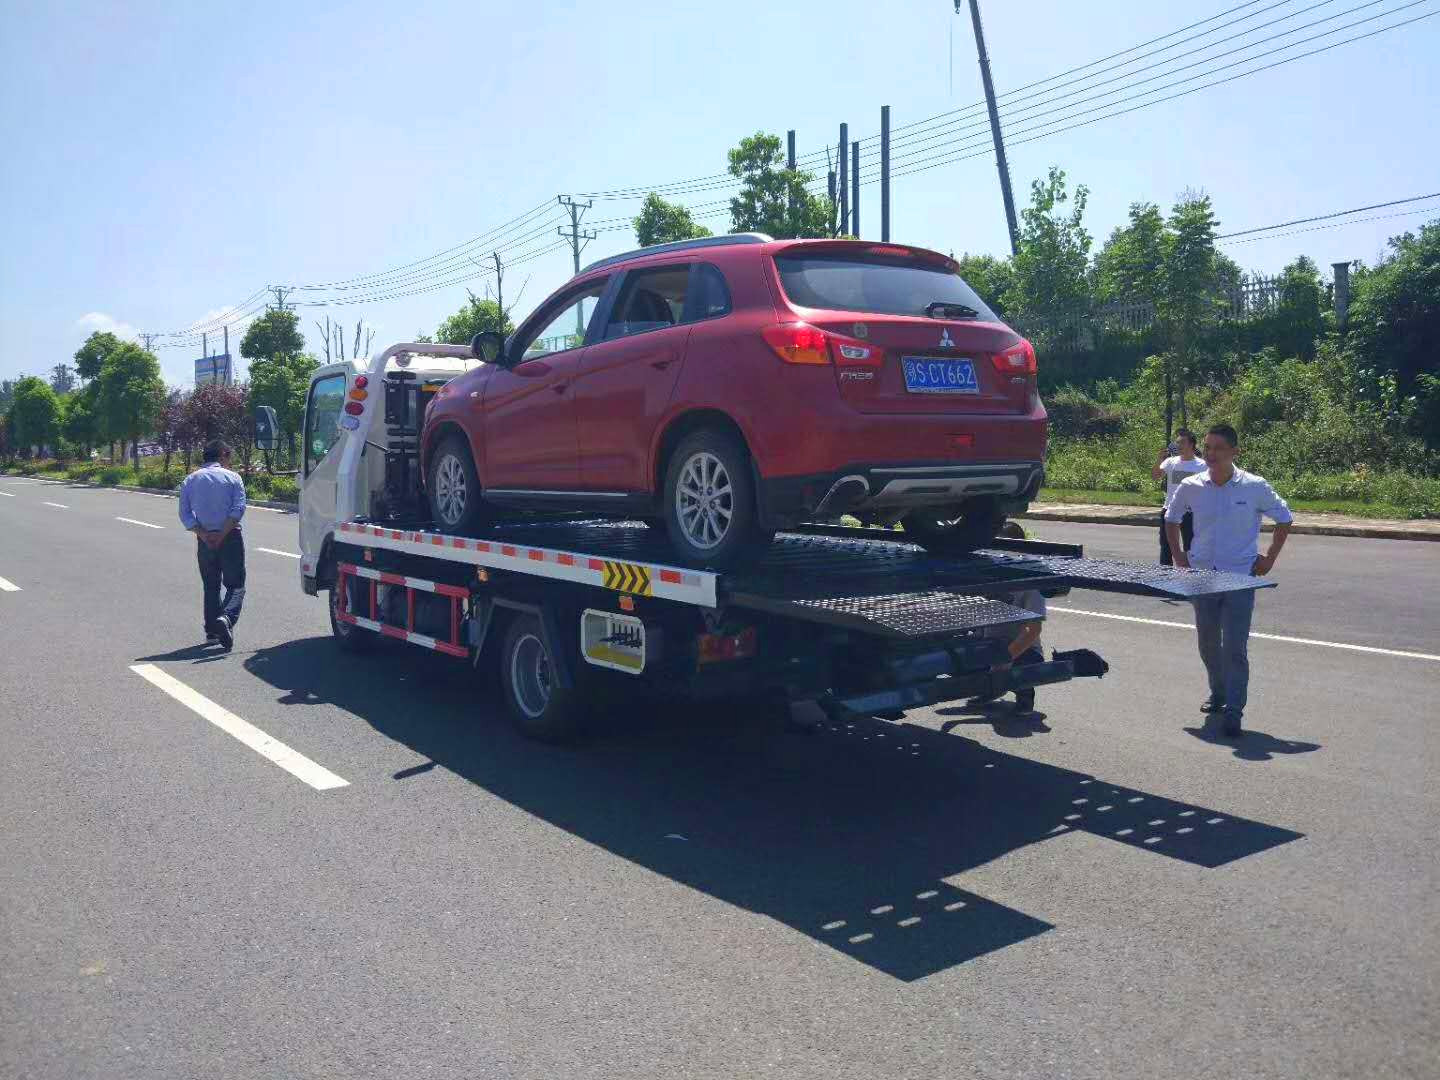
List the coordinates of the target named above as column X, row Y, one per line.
column 951, row 311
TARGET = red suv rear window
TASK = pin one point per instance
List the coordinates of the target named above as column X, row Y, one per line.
column 876, row 284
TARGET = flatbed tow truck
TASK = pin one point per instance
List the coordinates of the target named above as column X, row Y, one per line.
column 572, row 611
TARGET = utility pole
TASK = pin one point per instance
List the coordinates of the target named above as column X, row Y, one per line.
column 994, row 125
column 790, row 167
column 855, row 188
column 885, row 173
column 499, row 284
column 578, row 240
column 205, row 345
column 844, row 184
column 147, row 338
column 280, row 291
column 834, row 221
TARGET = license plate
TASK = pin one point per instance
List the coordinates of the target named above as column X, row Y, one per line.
column 930, row 375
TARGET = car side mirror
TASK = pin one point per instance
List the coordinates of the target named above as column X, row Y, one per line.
column 488, row 346
column 267, row 428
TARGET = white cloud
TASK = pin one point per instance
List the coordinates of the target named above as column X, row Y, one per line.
column 98, row 320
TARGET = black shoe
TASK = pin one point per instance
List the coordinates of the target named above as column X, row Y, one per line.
column 1230, row 727
column 222, row 631
column 211, row 637
column 1210, row 705
column 1025, row 701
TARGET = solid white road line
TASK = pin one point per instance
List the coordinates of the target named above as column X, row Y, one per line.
column 132, row 521
column 8, row 586
column 58, row 506
column 292, row 761
column 276, row 551
column 8, row 494
column 1254, row 634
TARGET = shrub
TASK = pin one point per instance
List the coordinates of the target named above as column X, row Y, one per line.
column 157, row 477
column 284, row 488
column 1076, row 414
column 258, row 485
column 113, row 474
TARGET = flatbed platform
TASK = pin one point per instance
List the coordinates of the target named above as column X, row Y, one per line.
column 861, row 579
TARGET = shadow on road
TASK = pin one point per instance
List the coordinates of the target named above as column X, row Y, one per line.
column 1253, row 745
column 847, row 835
column 199, row 654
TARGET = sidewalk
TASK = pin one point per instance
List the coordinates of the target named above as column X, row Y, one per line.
column 1305, row 523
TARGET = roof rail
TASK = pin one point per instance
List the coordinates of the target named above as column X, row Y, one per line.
column 684, row 245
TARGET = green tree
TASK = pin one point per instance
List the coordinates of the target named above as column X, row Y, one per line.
column 131, row 393
column 477, row 316
column 7, row 444
column 274, row 334
column 1131, row 264
column 81, row 425
column 774, row 199
column 661, row 222
column 281, row 382
column 1394, row 326
column 1189, row 295
column 34, row 413
column 62, row 378
column 992, row 278
column 91, row 356
column 1299, row 319
column 1051, row 285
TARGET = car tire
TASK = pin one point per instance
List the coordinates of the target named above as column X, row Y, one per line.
column 978, row 522
column 453, row 488
column 710, row 513
column 350, row 638
column 541, row 710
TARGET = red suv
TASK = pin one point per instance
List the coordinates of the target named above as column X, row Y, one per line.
column 726, row 388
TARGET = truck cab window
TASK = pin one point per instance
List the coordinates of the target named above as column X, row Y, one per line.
column 322, row 418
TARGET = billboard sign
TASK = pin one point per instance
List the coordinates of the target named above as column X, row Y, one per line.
column 214, row 369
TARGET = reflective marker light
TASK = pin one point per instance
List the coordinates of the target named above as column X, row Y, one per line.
column 359, row 395
column 361, row 381
column 354, row 408
column 719, row 647
column 1019, row 359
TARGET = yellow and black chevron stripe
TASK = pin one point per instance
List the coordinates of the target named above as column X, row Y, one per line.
column 627, row 577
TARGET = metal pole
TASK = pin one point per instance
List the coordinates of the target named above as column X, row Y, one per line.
column 205, row 345
column 855, row 187
column 844, row 184
column 790, row 154
column 994, row 125
column 790, row 165
column 885, row 173
column 229, row 367
column 1342, row 292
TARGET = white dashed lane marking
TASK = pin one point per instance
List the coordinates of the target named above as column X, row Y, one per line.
column 1254, row 634
column 58, row 506
column 276, row 551
column 8, row 586
column 8, row 494
column 132, row 521
column 267, row 746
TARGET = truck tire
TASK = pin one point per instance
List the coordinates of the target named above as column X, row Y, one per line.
column 978, row 522
column 453, row 488
column 540, row 709
column 350, row 638
column 710, row 513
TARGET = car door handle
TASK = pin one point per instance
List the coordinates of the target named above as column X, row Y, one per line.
column 559, row 388
column 661, row 365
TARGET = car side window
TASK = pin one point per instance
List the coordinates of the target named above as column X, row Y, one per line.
column 322, row 418
column 709, row 296
column 565, row 329
column 650, row 300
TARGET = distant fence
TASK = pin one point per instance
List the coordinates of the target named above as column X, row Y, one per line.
column 1251, row 298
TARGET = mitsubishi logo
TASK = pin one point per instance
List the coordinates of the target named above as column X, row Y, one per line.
column 945, row 342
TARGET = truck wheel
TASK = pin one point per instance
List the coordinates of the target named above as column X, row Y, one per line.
column 944, row 532
column 710, row 501
column 453, row 488
column 541, row 709
column 349, row 637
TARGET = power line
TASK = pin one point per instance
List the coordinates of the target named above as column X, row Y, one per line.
column 1336, row 214
column 1331, row 225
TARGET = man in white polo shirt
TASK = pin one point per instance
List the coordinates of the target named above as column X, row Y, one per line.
column 1227, row 504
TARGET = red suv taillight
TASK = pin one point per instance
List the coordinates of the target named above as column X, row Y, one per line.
column 801, row 343
column 1019, row 359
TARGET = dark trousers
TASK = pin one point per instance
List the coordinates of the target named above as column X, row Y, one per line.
column 1222, row 624
column 224, row 565
column 1187, row 534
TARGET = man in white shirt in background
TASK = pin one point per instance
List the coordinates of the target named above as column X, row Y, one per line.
column 1227, row 503
column 1180, row 463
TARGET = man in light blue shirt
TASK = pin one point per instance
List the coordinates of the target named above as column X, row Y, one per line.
column 212, row 502
column 1227, row 504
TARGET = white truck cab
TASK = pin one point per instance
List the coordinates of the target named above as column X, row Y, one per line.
column 342, row 468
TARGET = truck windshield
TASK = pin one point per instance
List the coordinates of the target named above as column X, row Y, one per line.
column 884, row 286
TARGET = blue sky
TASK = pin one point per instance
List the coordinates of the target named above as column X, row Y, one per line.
column 165, row 161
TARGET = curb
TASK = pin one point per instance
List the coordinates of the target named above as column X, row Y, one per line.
column 268, row 504
column 1421, row 531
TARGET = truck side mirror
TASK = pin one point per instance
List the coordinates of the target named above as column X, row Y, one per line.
column 488, row 346
column 267, row 428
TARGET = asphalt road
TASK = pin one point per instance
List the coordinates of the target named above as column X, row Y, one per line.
column 1095, row 893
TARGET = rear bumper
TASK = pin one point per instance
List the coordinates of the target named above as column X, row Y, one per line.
column 859, row 489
